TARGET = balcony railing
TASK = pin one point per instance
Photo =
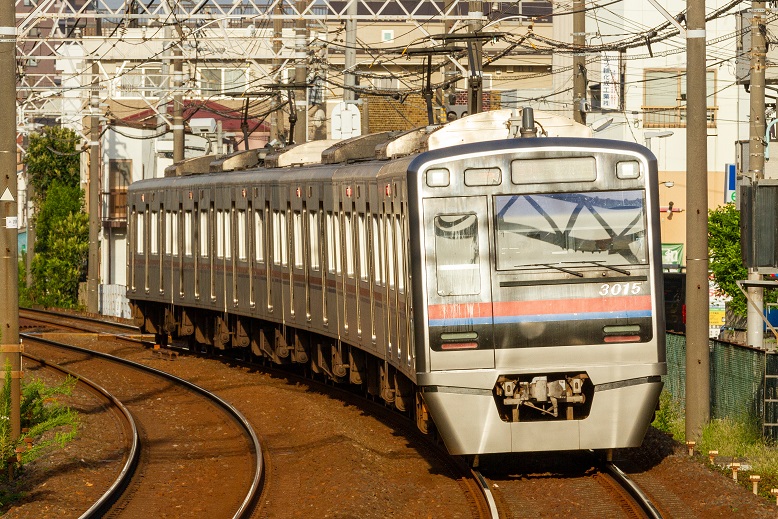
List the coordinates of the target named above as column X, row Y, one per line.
column 672, row 116
column 115, row 204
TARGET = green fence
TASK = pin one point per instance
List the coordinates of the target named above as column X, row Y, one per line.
column 737, row 381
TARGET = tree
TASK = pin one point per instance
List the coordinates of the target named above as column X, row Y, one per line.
column 52, row 155
column 62, row 228
column 726, row 262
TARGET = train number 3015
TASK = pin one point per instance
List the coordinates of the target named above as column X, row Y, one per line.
column 620, row 289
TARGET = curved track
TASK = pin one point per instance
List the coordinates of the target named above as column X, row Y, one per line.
column 142, row 491
column 103, row 504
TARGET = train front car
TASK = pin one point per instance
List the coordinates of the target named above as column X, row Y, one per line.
column 538, row 315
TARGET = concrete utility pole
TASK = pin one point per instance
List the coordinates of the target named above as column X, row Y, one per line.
column 475, row 102
column 178, row 105
column 756, row 145
column 10, row 351
column 579, row 61
column 276, row 118
column 697, row 294
column 350, row 54
column 93, row 263
column 301, row 74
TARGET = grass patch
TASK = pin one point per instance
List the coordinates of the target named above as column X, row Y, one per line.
column 734, row 438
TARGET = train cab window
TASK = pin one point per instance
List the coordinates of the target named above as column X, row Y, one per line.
column 242, row 235
column 203, row 231
column 154, row 233
column 187, row 235
column 297, row 238
column 457, row 261
column 313, row 232
column 139, row 232
column 362, row 244
column 483, row 177
column 600, row 227
column 349, row 236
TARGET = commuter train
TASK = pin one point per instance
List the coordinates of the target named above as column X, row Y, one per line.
column 502, row 287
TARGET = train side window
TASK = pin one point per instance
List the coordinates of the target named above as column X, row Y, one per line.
column 297, row 237
column 188, row 233
column 228, row 234
column 349, row 235
column 456, row 254
column 362, row 243
column 139, row 221
column 259, row 239
column 168, row 233
column 219, row 234
column 203, row 230
column 329, row 224
column 242, row 235
column 154, row 233
column 398, row 230
column 284, row 237
column 377, row 248
column 390, row 258
column 313, row 232
column 280, row 236
column 338, row 245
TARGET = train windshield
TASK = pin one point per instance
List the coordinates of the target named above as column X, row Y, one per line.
column 604, row 227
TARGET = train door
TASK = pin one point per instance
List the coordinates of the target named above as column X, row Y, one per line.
column 459, row 299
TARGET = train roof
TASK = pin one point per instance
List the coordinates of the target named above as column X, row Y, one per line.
column 484, row 126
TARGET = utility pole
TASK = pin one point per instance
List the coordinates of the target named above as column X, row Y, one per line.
column 93, row 270
column 301, row 74
column 756, row 145
column 178, row 104
column 579, row 61
column 276, row 119
column 697, row 294
column 10, row 351
column 475, row 102
column 350, row 54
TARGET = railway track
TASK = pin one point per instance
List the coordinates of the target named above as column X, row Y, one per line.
column 625, row 498
column 128, row 432
column 190, row 439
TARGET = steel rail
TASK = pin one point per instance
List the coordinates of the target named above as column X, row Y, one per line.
column 103, row 504
column 244, row 510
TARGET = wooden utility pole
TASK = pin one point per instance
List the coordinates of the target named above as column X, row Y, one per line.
column 10, row 351
column 756, row 145
column 697, row 294
column 579, row 62
column 93, row 262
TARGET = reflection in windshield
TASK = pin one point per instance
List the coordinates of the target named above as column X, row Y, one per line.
column 606, row 227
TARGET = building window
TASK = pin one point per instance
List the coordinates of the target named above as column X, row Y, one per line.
column 135, row 82
column 665, row 98
column 218, row 81
column 119, row 175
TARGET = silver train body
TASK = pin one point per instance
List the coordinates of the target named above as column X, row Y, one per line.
column 510, row 291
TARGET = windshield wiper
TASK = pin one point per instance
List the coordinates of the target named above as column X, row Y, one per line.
column 615, row 269
column 566, row 271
